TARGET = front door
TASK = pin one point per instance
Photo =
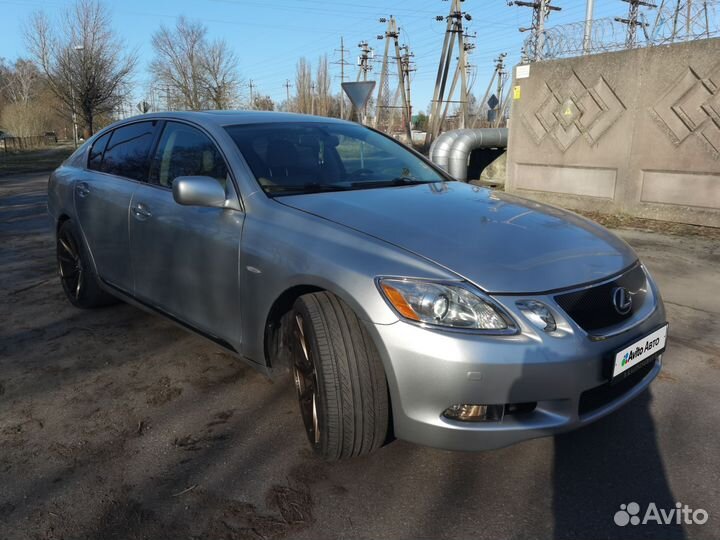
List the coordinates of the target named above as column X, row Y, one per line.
column 185, row 257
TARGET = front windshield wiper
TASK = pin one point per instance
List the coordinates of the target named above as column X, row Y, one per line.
column 399, row 181
column 313, row 187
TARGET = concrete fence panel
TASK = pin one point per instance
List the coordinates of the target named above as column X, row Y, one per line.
column 634, row 131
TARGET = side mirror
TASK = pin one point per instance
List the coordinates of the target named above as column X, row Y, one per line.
column 198, row 191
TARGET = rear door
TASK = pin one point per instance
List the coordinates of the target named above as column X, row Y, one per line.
column 118, row 162
column 186, row 257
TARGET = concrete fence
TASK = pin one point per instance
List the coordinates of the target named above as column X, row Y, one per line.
column 634, row 131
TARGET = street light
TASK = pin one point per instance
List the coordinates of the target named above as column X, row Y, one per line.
column 78, row 48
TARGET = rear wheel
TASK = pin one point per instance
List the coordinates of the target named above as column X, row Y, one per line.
column 76, row 273
column 339, row 378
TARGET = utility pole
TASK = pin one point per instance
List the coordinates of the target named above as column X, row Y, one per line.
column 465, row 48
column 501, row 76
column 383, row 96
column 366, row 55
column 453, row 32
column 541, row 11
column 287, row 86
column 461, row 75
column 407, row 68
column 499, row 67
column 79, row 50
column 632, row 21
column 312, row 98
column 406, row 114
column 342, row 63
column 587, row 34
column 252, row 101
column 383, row 113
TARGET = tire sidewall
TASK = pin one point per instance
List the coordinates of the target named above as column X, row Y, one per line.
column 311, row 342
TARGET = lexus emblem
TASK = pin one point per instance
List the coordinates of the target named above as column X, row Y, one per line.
column 622, row 301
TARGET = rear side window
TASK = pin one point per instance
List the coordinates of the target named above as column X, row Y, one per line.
column 186, row 151
column 127, row 152
column 96, row 152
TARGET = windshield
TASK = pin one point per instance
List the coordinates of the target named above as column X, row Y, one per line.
column 292, row 158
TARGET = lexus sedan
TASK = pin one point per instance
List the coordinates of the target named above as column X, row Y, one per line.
column 406, row 304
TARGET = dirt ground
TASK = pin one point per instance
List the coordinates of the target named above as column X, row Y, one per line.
column 117, row 424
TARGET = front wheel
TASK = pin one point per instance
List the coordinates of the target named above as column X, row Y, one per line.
column 339, row 378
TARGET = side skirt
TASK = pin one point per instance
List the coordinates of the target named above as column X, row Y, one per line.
column 130, row 299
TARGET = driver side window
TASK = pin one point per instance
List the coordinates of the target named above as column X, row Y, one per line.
column 186, row 151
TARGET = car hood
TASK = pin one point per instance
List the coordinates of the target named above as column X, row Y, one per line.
column 502, row 243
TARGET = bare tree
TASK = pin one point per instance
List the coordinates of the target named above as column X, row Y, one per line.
column 263, row 103
column 27, row 119
column 220, row 75
column 303, row 87
column 4, row 80
column 82, row 59
column 178, row 61
column 198, row 74
column 22, row 82
column 28, row 104
column 322, row 86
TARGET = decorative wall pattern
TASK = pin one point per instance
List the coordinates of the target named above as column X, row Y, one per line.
column 691, row 107
column 573, row 109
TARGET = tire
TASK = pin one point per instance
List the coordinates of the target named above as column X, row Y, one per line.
column 339, row 378
column 77, row 276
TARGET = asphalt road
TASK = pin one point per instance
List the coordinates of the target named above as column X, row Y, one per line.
column 117, row 424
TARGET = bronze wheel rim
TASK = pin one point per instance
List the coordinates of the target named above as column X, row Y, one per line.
column 70, row 265
column 305, row 378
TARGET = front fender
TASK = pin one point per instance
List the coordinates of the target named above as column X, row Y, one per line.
column 283, row 247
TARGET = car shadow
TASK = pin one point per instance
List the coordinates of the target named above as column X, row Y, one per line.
column 615, row 461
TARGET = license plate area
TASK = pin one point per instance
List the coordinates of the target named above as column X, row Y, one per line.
column 638, row 353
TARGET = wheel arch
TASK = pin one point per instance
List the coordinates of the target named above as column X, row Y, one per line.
column 64, row 217
column 275, row 342
column 282, row 305
column 60, row 220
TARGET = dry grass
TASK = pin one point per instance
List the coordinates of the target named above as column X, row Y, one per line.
column 624, row 221
column 33, row 161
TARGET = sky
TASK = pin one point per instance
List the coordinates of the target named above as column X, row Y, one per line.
column 269, row 36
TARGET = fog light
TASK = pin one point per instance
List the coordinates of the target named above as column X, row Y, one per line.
column 475, row 413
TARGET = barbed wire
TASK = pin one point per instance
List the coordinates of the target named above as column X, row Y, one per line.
column 661, row 27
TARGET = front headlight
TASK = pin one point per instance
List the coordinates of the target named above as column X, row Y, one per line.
column 443, row 304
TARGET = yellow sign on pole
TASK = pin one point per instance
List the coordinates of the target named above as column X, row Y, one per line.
column 516, row 92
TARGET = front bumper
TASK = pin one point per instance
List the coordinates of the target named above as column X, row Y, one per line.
column 431, row 370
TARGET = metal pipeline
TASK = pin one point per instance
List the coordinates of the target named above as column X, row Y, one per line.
column 464, row 143
column 440, row 149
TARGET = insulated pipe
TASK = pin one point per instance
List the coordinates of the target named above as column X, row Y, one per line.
column 468, row 140
column 440, row 149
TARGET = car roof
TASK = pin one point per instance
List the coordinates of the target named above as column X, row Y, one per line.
column 230, row 118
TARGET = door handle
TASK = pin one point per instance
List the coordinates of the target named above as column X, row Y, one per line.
column 141, row 212
column 82, row 189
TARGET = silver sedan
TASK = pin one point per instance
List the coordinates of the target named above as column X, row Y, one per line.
column 406, row 304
